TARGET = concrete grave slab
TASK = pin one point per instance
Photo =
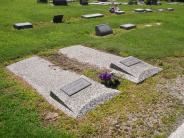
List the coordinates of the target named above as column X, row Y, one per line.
column 134, row 69
column 25, row 25
column 96, row 15
column 179, row 133
column 128, row 26
column 72, row 93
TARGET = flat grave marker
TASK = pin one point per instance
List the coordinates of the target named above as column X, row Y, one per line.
column 128, row 26
column 26, row 25
column 76, row 86
column 139, row 10
column 119, row 12
column 95, row 15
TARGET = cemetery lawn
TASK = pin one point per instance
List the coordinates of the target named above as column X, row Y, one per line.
column 139, row 111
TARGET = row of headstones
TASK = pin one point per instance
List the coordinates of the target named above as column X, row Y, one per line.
column 59, row 19
column 27, row 25
column 62, row 2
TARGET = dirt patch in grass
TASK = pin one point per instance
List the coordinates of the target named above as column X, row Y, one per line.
column 69, row 64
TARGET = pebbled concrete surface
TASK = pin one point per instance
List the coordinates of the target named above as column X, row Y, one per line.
column 46, row 77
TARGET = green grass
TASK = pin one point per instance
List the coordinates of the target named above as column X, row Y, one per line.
column 21, row 107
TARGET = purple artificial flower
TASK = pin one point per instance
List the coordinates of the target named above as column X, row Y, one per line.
column 105, row 76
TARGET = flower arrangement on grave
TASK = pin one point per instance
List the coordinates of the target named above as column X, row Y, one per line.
column 109, row 80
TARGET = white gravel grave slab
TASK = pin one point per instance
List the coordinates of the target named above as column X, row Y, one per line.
column 179, row 133
column 136, row 72
column 72, row 93
column 95, row 15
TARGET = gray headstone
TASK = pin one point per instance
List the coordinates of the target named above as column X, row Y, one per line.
column 103, row 29
column 25, row 25
column 76, row 86
column 128, row 26
column 96, row 15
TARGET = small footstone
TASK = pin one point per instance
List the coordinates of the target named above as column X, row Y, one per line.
column 128, row 26
column 139, row 10
column 96, row 15
column 58, row 19
column 103, row 29
column 25, row 25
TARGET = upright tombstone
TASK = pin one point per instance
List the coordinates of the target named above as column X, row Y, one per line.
column 60, row 2
column 83, row 2
column 25, row 25
column 128, row 26
column 103, row 29
column 58, row 19
column 42, row 1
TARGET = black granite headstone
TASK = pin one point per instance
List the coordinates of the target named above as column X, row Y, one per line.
column 25, row 25
column 60, row 2
column 103, row 29
column 58, row 19
column 83, row 2
column 75, row 86
column 42, row 1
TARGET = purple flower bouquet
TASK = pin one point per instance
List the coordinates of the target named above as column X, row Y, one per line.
column 109, row 80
